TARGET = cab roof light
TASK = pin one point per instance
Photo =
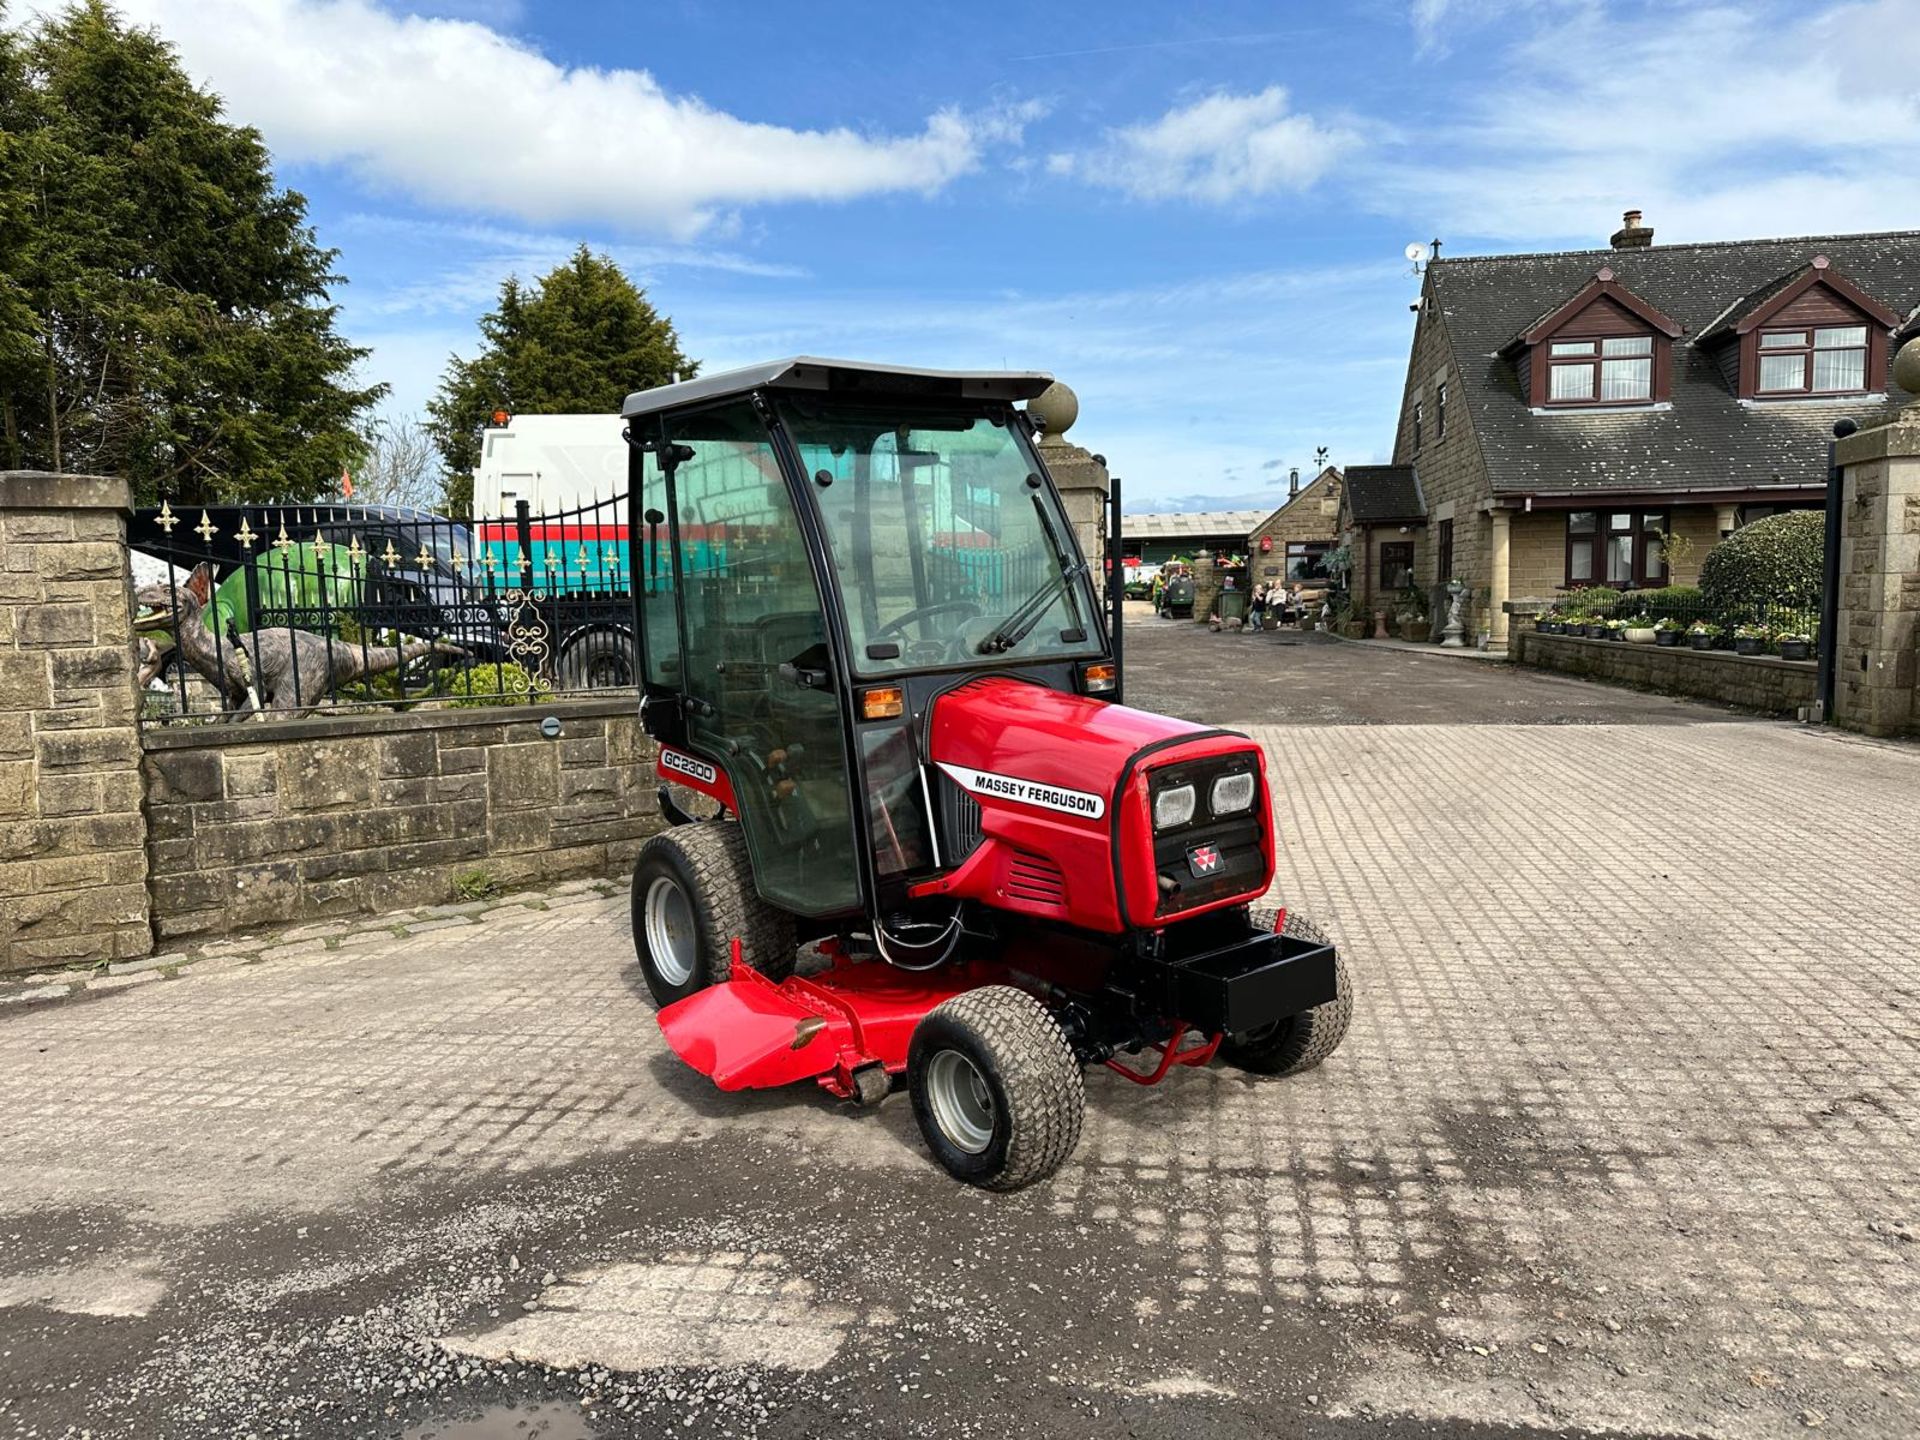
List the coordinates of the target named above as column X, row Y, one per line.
column 883, row 702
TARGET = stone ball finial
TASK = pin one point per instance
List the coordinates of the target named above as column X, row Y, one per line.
column 1054, row 410
column 1906, row 367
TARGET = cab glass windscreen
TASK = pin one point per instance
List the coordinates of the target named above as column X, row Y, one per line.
column 944, row 552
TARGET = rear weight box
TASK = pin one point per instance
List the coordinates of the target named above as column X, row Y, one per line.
column 1246, row 984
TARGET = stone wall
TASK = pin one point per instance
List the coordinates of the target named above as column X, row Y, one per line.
column 1877, row 677
column 73, row 870
column 267, row 823
column 1753, row 682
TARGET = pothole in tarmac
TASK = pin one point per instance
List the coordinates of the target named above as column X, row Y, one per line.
column 509, row 1422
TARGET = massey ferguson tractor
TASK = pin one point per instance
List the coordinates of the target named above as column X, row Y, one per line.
column 933, row 844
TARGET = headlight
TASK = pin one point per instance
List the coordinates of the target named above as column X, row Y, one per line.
column 1231, row 794
column 1173, row 807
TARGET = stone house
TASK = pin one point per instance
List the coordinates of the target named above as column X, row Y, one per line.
column 1566, row 413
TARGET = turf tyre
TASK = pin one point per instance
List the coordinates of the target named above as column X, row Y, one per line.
column 1301, row 1041
column 709, row 864
column 1038, row 1098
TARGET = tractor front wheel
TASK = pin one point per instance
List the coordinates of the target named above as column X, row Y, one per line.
column 693, row 896
column 996, row 1088
column 1301, row 1041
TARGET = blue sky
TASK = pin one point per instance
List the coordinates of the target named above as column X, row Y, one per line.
column 1193, row 214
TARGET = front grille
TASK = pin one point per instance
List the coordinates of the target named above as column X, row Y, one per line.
column 959, row 820
column 1236, row 838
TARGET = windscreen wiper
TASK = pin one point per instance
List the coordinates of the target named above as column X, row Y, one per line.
column 1017, row 626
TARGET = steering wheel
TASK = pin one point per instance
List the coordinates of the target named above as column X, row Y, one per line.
column 973, row 612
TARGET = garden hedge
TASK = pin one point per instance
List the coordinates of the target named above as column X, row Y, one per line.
column 1773, row 562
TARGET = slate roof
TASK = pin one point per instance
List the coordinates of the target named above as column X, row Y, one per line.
column 1192, row 525
column 1705, row 438
column 1377, row 493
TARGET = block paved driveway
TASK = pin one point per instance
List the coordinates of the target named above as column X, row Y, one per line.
column 1622, row 1142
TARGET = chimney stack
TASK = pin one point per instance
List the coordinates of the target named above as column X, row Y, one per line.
column 1293, row 482
column 1632, row 235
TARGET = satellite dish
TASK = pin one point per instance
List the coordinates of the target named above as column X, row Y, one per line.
column 1415, row 253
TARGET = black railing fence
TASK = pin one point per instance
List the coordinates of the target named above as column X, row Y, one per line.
column 280, row 610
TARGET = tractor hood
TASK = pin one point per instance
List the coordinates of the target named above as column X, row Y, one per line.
column 1013, row 730
column 1061, row 784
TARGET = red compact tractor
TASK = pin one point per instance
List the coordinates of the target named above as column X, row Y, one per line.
column 943, row 848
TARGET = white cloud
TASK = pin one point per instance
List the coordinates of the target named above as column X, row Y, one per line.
column 1217, row 149
column 1718, row 123
column 452, row 113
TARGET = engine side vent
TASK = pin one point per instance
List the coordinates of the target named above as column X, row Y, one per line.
column 1035, row 879
column 959, row 820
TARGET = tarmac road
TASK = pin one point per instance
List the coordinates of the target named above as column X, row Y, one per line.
column 1622, row 1142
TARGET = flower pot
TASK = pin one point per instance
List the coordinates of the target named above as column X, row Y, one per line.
column 1620, row 635
column 1744, row 645
column 1667, row 639
column 1700, row 642
column 1796, row 650
column 1414, row 627
column 1640, row 634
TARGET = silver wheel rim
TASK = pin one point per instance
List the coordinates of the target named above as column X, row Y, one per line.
column 670, row 938
column 961, row 1102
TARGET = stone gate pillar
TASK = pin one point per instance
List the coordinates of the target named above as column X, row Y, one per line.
column 73, row 859
column 1877, row 640
column 1080, row 475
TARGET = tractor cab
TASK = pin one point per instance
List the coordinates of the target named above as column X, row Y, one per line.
column 868, row 633
column 820, row 551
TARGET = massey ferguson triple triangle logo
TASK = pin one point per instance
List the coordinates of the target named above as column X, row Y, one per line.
column 1027, row 792
column 688, row 766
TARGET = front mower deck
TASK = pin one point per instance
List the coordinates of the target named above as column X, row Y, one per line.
column 841, row 1024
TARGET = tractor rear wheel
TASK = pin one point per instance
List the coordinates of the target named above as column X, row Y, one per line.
column 1301, row 1041
column 693, row 896
column 996, row 1088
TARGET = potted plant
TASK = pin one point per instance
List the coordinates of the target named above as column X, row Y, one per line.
column 1701, row 635
column 1796, row 647
column 1750, row 639
column 1640, row 629
column 1574, row 622
column 1547, row 622
column 1667, row 632
column 1614, row 630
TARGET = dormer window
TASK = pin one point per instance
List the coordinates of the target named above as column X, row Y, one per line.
column 1602, row 346
column 1616, row 370
column 1830, row 360
column 1810, row 332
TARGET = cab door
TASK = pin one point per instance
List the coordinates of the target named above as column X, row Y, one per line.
column 755, row 667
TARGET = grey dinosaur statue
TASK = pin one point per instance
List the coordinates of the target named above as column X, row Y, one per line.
column 259, row 673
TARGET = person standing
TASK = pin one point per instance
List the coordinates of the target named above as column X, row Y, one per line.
column 1257, row 606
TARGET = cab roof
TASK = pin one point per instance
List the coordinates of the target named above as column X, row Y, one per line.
column 849, row 378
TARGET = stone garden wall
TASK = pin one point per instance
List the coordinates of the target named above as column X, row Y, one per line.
column 270, row 822
column 1753, row 682
column 111, row 836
